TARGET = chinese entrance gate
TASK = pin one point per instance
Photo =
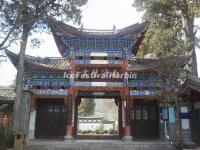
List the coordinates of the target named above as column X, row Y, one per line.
column 94, row 63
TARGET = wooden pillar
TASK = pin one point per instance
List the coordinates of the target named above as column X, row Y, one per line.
column 127, row 126
column 69, row 125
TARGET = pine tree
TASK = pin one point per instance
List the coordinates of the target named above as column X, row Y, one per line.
column 20, row 18
column 171, row 29
column 87, row 107
column 171, row 32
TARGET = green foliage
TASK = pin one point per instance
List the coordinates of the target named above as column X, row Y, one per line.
column 100, row 129
column 32, row 14
column 86, row 131
column 20, row 18
column 86, row 107
column 165, row 36
column 162, row 42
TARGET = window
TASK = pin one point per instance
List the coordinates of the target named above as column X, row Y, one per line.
column 138, row 114
column 132, row 114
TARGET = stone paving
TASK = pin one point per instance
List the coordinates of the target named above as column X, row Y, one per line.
column 99, row 145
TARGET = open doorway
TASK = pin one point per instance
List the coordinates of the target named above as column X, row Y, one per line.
column 98, row 117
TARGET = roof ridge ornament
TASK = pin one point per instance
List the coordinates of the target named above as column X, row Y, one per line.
column 114, row 28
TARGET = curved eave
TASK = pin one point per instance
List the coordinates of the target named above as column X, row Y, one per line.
column 142, row 64
column 61, row 46
column 63, row 28
column 29, row 62
column 59, row 28
column 192, row 83
column 135, row 47
column 44, row 67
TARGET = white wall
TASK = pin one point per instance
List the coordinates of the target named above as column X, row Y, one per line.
column 31, row 133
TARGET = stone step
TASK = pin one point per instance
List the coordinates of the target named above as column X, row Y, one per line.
column 98, row 145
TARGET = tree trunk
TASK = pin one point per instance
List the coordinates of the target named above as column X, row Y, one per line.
column 194, row 70
column 17, row 125
column 178, row 125
column 188, row 28
column 20, row 75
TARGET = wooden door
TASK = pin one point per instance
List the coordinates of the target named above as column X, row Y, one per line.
column 51, row 118
column 145, row 120
column 195, row 122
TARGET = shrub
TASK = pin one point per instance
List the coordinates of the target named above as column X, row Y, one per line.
column 99, row 130
column 86, row 131
column 112, row 131
column 105, row 131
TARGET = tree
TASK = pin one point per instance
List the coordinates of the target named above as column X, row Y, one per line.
column 23, row 17
column 170, row 21
column 86, row 107
column 174, row 75
column 171, row 32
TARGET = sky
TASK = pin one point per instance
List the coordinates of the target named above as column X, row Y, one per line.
column 98, row 14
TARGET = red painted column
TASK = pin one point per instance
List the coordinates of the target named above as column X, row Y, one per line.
column 69, row 133
column 69, row 128
column 127, row 128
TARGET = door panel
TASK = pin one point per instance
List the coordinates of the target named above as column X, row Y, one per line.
column 51, row 118
column 144, row 120
column 195, row 122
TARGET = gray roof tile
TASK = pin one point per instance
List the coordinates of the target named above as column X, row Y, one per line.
column 7, row 94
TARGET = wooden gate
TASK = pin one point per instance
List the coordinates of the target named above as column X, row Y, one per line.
column 144, row 120
column 195, row 122
column 51, row 118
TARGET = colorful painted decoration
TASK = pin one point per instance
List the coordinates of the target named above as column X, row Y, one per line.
column 32, row 73
column 49, row 92
column 86, row 53
column 83, row 43
column 143, row 92
column 79, row 83
column 149, row 76
column 98, row 62
column 47, row 82
column 143, row 83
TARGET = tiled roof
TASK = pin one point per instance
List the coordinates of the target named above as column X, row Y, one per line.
column 56, row 63
column 7, row 94
column 66, row 37
column 67, row 29
column 192, row 83
column 135, row 64
column 141, row 64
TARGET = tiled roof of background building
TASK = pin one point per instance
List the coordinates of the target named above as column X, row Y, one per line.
column 141, row 64
column 56, row 63
column 7, row 94
column 192, row 83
